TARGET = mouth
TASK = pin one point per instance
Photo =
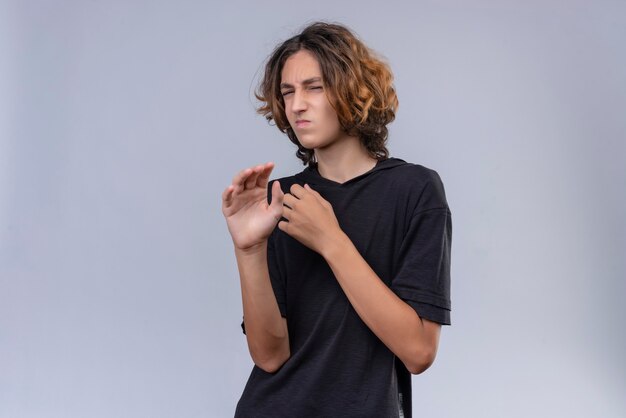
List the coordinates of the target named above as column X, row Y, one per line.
column 302, row 123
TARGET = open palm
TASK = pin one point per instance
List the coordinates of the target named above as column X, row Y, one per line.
column 249, row 218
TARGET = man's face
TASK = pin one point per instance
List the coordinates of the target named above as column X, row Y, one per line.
column 308, row 110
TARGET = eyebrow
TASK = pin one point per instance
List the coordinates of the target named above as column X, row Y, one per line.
column 305, row 82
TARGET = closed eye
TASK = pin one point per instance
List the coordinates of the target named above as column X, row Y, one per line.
column 287, row 92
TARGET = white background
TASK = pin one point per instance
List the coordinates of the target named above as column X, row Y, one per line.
column 121, row 123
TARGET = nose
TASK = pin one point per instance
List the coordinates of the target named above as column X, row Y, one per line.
column 298, row 102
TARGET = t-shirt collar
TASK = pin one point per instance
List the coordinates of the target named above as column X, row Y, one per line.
column 311, row 176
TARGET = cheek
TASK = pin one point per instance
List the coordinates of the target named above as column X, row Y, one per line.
column 330, row 115
column 291, row 120
column 333, row 121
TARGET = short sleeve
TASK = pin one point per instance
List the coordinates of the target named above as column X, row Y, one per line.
column 422, row 278
column 276, row 277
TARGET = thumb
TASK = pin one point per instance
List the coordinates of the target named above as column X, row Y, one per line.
column 277, row 196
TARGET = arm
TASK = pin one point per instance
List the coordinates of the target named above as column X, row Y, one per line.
column 266, row 329
column 250, row 221
column 412, row 339
column 311, row 221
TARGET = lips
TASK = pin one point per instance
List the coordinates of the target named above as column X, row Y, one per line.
column 301, row 123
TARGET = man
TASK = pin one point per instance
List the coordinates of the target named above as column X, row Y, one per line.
column 344, row 267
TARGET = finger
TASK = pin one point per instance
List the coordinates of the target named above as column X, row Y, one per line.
column 314, row 193
column 240, row 178
column 290, row 200
column 287, row 213
column 277, row 197
column 317, row 195
column 297, row 190
column 251, row 180
column 265, row 174
column 308, row 188
column 284, row 226
column 227, row 196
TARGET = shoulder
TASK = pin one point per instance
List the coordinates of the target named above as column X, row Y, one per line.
column 416, row 174
column 423, row 184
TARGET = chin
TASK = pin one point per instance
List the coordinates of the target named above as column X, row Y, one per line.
column 308, row 144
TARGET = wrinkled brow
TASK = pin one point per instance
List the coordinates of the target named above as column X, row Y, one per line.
column 304, row 83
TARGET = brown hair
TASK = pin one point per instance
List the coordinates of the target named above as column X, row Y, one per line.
column 358, row 85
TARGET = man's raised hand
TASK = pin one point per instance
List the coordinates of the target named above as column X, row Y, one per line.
column 249, row 218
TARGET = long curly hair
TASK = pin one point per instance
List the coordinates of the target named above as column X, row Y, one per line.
column 358, row 84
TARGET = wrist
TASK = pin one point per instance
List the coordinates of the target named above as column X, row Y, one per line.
column 253, row 250
column 335, row 245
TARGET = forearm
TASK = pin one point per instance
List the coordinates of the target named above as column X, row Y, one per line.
column 393, row 321
column 266, row 329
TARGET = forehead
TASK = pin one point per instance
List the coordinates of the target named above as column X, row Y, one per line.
column 300, row 66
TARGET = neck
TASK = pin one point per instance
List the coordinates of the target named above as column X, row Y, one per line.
column 344, row 160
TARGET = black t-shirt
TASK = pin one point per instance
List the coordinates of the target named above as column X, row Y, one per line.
column 398, row 218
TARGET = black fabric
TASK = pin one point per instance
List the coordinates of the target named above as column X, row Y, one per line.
column 398, row 218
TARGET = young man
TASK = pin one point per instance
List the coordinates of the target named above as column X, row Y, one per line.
column 345, row 266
